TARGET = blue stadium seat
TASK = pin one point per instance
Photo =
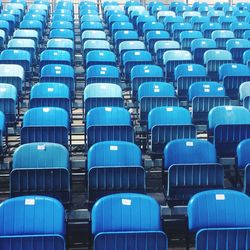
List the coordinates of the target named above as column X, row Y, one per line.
column 45, row 124
column 227, row 126
column 33, row 222
column 91, row 26
column 141, row 20
column 33, row 25
column 213, row 59
column 226, row 21
column 168, row 123
column 27, row 34
column 4, row 25
column 215, row 14
column 100, row 57
column 185, row 75
column 157, row 8
column 208, row 28
column 204, row 96
column 144, row 73
column 163, row 13
column 213, row 227
column 174, row 5
column 102, row 95
column 152, row 95
column 61, row 25
column 169, row 20
column 50, row 94
column 244, row 93
column 192, row 167
column 35, row 17
column 133, row 218
column 59, row 73
column 118, row 26
column 232, row 75
column 2, row 40
column 189, row 14
column 239, row 28
column 221, row 37
column 62, row 17
column 107, row 124
column 62, row 33
column 243, row 6
column 41, row 169
column 173, row 58
column 204, row 10
column 241, row 15
column 116, row 18
column 92, row 35
column 119, row 166
column 186, row 38
column 177, row 28
column 90, row 18
column 10, row 19
column 198, row 4
column 197, row 21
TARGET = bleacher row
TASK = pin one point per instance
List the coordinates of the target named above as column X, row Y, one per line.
column 157, row 80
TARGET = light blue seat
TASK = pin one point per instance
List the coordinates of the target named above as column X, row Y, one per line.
column 91, row 26
column 226, row 21
column 215, row 14
column 62, row 17
column 157, row 8
column 116, row 18
column 36, row 17
column 208, row 28
column 90, row 18
column 168, row 123
column 239, row 28
column 244, row 93
column 189, row 14
column 41, row 169
column 197, row 4
column 237, row 47
column 181, row 9
column 117, row 26
column 92, row 35
column 33, row 25
column 186, row 38
column 243, row 6
column 221, row 37
column 241, row 15
column 227, row 126
column 133, row 218
column 44, row 220
column 169, row 20
column 163, row 13
column 100, row 57
column 177, row 28
column 61, row 25
column 62, row 33
column 197, row 21
column 2, row 40
column 27, row 34
column 10, row 19
column 173, row 5
column 4, row 25
column 141, row 20
column 192, row 167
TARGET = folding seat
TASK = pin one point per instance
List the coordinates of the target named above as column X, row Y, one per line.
column 153, row 4
column 33, row 25
column 169, row 20
column 213, row 59
column 62, row 33
column 168, row 123
column 204, row 10
column 214, row 15
column 144, row 73
column 62, row 17
column 212, row 225
column 32, row 17
column 100, row 57
column 40, row 6
column 174, row 5
column 199, row 47
column 227, row 126
column 154, row 36
column 192, row 167
column 8, row 103
column 141, row 20
column 237, row 47
column 186, row 37
column 62, row 11
column 157, row 8
column 177, row 28
column 116, row 18
column 197, row 21
column 50, row 94
column 173, row 58
column 221, row 37
column 62, row 44
column 162, row 14
column 229, row 10
column 161, row 47
column 102, row 95
column 40, row 12
column 243, row 6
column 132, row 58
column 241, row 15
column 135, row 14
column 17, row 80
column 129, row 4
column 226, row 21
column 203, row 96
column 127, row 220
column 232, row 75
column 61, row 25
column 59, row 73
column 239, row 28
column 92, row 35
column 118, row 26
column 108, row 124
column 102, row 74
column 187, row 15
column 152, row 95
column 208, row 28
column 33, row 222
column 51, row 56
column 111, row 10
column 90, row 18
column 185, row 75
column 152, row 26
column 45, row 124
column 41, row 169
column 197, row 4
column 16, row 6
column 4, row 25
column 119, row 166
column 10, row 19
column 124, row 35
column 135, row 8
column 91, row 26
column 27, row 34
column 181, row 9
column 244, row 93
column 246, row 34
column 16, row 13
column 24, row 44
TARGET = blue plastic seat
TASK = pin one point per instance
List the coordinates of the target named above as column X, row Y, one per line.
column 204, row 96
column 199, row 47
column 135, row 14
column 59, row 73
column 50, row 94
column 119, row 164
column 173, row 5
column 177, row 28
column 185, row 75
column 152, row 95
column 41, row 169
column 92, row 35
column 116, row 18
column 226, row 21
column 61, row 25
column 213, row 59
column 62, row 17
column 173, row 58
column 2, row 40
column 8, row 103
column 141, row 20
column 100, row 57
column 27, row 34
column 91, row 26
column 17, row 13
column 163, row 13
column 7, row 23
column 36, row 17
column 186, row 38
column 244, row 93
column 197, row 21
column 33, row 25
column 243, row 6
column 221, row 37
column 102, row 95
column 102, row 74
column 216, row 228
column 62, row 33
column 227, row 126
column 118, row 26
column 152, row 26
column 232, row 75
column 208, row 28
column 129, row 218
column 192, row 167
column 215, row 14
column 241, row 15
column 45, row 124
column 32, row 221
column 181, row 9
column 198, row 4
column 90, row 18
column 107, row 124
column 157, row 8
column 144, row 73
column 239, row 28
column 220, row 6
column 168, row 123
column 169, row 20
column 189, row 14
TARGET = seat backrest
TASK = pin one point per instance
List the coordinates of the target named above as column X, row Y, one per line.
column 8, row 91
column 217, row 54
column 41, row 155
column 189, row 70
column 218, row 209
column 244, row 90
column 125, row 212
column 243, row 153
column 233, row 69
